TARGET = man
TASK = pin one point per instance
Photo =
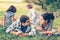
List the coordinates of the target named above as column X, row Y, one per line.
column 22, row 27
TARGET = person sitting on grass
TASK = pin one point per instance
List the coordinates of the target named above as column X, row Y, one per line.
column 9, row 16
column 22, row 27
column 44, row 26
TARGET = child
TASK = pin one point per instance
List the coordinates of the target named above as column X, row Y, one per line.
column 33, row 15
column 22, row 27
column 9, row 16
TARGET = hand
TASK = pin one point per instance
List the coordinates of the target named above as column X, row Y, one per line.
column 38, row 28
column 20, row 32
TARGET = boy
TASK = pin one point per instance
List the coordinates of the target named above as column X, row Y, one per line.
column 22, row 27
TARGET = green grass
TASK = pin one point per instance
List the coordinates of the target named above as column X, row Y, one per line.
column 21, row 7
column 21, row 10
column 7, row 36
column 56, row 23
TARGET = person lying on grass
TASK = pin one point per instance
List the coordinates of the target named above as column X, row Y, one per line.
column 44, row 25
column 22, row 27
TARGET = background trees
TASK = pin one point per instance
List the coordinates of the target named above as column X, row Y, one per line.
column 48, row 5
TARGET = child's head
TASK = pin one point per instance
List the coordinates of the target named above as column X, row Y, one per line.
column 12, row 9
column 46, row 18
column 29, row 6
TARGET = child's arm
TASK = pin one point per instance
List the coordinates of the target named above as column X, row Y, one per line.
column 19, row 33
column 59, row 29
column 16, row 33
column 4, row 21
column 38, row 28
column 12, row 19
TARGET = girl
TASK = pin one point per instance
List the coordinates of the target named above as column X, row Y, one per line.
column 44, row 26
column 33, row 14
column 9, row 16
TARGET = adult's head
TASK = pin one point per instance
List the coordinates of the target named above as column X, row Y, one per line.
column 12, row 9
column 46, row 18
column 25, row 21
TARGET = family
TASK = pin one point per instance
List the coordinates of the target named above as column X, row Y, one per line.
column 31, row 24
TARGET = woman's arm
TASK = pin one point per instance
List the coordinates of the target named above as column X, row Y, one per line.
column 49, row 32
column 38, row 28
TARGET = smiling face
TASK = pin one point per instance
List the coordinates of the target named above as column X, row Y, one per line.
column 42, row 21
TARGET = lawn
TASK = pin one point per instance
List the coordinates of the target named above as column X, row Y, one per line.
column 21, row 10
column 7, row 36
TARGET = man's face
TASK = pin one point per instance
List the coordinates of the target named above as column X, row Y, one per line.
column 42, row 21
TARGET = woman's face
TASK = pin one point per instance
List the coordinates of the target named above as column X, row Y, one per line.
column 42, row 21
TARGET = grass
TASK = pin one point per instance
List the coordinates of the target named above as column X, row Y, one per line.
column 21, row 10
column 7, row 36
column 21, row 7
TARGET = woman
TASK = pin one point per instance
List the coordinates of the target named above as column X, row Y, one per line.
column 44, row 26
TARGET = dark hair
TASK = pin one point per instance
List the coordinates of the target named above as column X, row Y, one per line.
column 48, row 16
column 29, row 6
column 52, row 16
column 12, row 9
column 23, row 18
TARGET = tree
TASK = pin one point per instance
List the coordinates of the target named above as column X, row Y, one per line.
column 48, row 5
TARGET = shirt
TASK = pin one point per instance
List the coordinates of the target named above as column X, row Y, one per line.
column 23, row 28
column 48, row 27
column 33, row 15
column 7, row 18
